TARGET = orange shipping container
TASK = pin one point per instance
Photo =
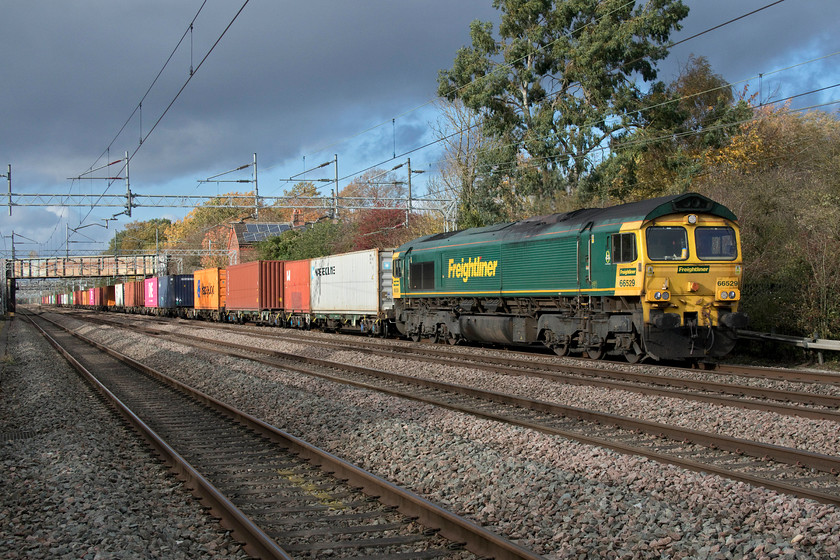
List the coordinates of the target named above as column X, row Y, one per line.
column 255, row 286
column 296, row 286
column 210, row 288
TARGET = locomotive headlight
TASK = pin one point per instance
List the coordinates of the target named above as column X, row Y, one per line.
column 724, row 295
column 666, row 296
column 692, row 219
column 732, row 295
column 657, row 296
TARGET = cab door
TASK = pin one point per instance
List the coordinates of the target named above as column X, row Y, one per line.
column 585, row 240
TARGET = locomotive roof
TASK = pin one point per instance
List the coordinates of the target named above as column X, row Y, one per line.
column 642, row 210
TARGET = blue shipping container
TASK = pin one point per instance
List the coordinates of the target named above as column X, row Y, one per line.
column 175, row 291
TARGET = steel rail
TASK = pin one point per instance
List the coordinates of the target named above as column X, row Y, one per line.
column 256, row 542
column 818, row 461
column 826, row 463
column 590, row 376
column 477, row 539
column 783, row 374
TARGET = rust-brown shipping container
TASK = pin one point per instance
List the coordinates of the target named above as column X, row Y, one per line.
column 296, row 286
column 134, row 294
column 255, row 286
column 210, row 288
column 109, row 296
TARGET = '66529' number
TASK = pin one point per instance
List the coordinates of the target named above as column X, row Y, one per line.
column 627, row 283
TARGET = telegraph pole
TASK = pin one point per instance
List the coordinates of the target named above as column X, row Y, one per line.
column 127, row 188
column 256, row 191
column 335, row 192
column 408, row 206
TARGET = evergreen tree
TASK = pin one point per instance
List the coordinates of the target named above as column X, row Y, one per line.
column 560, row 81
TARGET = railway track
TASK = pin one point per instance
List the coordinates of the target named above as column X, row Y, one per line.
column 788, row 470
column 281, row 496
column 794, row 403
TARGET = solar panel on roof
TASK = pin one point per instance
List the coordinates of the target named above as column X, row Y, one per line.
column 259, row 231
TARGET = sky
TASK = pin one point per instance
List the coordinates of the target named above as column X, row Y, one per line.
column 297, row 83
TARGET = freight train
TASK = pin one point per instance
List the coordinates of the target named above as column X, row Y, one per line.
column 657, row 279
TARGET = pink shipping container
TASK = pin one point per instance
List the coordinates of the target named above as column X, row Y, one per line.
column 150, row 292
column 255, row 286
column 296, row 286
column 93, row 297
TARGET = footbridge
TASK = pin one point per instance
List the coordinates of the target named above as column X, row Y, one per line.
column 93, row 266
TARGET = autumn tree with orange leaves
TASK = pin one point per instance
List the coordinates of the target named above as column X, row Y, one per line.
column 779, row 174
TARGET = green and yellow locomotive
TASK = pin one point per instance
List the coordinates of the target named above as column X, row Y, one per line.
column 658, row 278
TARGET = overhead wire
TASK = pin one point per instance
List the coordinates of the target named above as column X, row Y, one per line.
column 139, row 106
column 486, row 76
column 512, row 63
column 193, row 72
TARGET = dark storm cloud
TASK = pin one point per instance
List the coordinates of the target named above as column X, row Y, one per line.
column 286, row 76
column 783, row 34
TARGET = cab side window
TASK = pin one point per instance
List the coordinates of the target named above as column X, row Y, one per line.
column 623, row 247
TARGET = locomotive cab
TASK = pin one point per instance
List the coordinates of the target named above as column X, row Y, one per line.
column 691, row 291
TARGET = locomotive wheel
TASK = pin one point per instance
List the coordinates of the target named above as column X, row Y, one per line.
column 633, row 357
column 560, row 345
column 415, row 337
column 560, row 349
column 595, row 352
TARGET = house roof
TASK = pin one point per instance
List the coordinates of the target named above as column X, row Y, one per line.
column 250, row 233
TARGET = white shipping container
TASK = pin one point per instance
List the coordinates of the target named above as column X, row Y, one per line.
column 356, row 283
column 119, row 295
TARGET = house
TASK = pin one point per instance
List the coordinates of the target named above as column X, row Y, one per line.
column 243, row 236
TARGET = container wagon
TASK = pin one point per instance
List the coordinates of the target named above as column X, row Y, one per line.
column 210, row 293
column 175, row 295
column 255, row 292
column 296, row 293
column 150, row 294
column 353, row 291
column 134, row 299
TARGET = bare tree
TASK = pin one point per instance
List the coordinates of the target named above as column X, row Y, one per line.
column 463, row 137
